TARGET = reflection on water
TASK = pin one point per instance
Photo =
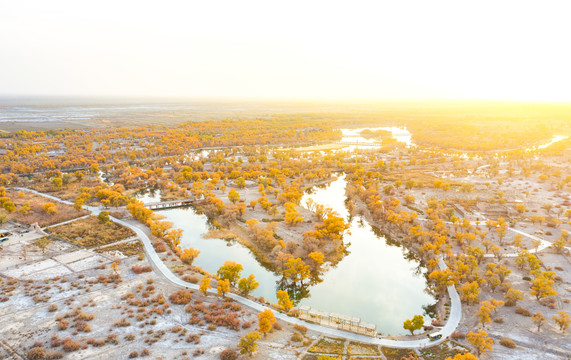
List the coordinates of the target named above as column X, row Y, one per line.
column 353, row 135
column 378, row 281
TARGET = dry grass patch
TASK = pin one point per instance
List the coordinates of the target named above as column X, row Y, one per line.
column 442, row 351
column 356, row 348
column 36, row 214
column 90, row 232
column 220, row 234
column 328, row 346
column 398, row 354
column 127, row 248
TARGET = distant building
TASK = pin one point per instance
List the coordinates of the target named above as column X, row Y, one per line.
column 495, row 210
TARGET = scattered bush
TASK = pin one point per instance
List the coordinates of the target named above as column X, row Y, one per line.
column 228, row 354
column 112, row 339
column 522, row 311
column 160, row 247
column 141, row 269
column 193, row 338
column 54, row 355
column 499, row 320
column 133, row 355
column 52, row 308
column 122, row 323
column 296, row 337
column 62, row 324
column 457, row 335
column 246, row 325
column 181, row 297
column 509, row 343
column 302, row 329
column 37, row 353
column 68, row 345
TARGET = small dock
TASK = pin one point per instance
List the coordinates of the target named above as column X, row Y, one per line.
column 169, row 204
column 337, row 321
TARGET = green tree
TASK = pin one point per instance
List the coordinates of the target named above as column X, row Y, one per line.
column 480, row 341
column 248, row 343
column 466, row 356
column 42, row 243
column 416, row 323
column 223, row 287
column 542, row 285
column 562, row 319
column 57, row 182
column 266, row 320
column 204, row 285
column 296, row 270
column 103, row 217
column 9, row 206
column 49, row 208
column 24, row 209
column 538, row 319
column 230, row 271
column 246, row 285
column 284, row 301
column 233, row 196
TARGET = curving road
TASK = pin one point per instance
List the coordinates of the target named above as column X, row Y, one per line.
column 451, row 324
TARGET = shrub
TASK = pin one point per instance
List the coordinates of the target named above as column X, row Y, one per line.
column 181, row 297
column 246, row 325
column 499, row 320
column 302, row 329
column 277, row 326
column 54, row 355
column 133, row 355
column 507, row 343
column 82, row 326
column 297, row 337
column 62, row 324
column 68, row 345
column 37, row 353
column 160, row 247
column 112, row 339
column 193, row 338
column 228, row 354
column 122, row 323
column 145, row 352
column 522, row 311
column 456, row 335
column 510, row 302
column 141, row 269
column 52, row 308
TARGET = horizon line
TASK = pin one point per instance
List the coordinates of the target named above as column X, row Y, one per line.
column 273, row 99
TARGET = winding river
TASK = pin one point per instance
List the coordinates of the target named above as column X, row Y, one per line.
column 378, row 281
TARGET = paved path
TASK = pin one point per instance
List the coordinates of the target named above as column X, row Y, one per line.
column 67, row 222
column 453, row 319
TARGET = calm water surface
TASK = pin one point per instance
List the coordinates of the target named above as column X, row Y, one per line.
column 377, row 281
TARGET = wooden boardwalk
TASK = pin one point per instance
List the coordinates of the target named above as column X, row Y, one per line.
column 169, row 204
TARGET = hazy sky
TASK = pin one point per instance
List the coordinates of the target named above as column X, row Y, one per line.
column 513, row 50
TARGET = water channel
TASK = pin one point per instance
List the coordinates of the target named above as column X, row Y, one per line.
column 378, row 280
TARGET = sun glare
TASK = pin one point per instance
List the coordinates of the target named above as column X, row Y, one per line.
column 509, row 50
